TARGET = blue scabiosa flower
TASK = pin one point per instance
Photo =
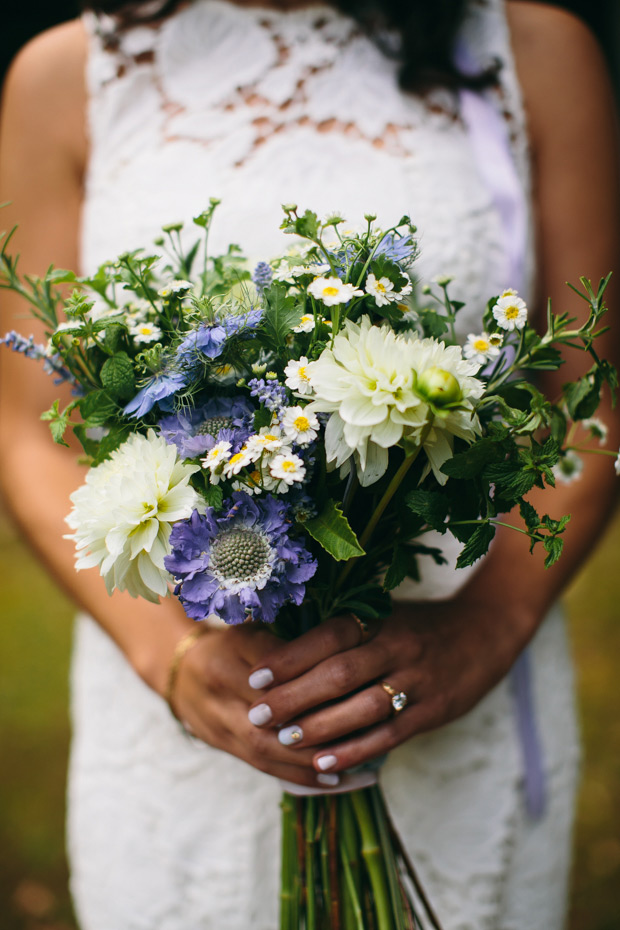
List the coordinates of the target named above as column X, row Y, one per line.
column 157, row 389
column 241, row 564
column 197, row 430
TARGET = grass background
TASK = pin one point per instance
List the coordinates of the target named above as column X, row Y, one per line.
column 35, row 643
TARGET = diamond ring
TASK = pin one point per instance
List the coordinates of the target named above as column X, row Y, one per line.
column 398, row 698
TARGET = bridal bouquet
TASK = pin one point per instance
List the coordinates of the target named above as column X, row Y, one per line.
column 274, row 446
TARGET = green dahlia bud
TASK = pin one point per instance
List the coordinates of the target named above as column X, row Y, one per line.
column 439, row 387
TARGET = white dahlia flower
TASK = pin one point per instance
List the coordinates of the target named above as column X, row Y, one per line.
column 380, row 388
column 122, row 515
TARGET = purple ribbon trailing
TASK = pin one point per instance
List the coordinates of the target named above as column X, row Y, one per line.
column 488, row 136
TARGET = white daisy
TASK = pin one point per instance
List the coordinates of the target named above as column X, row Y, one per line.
column 510, row 311
column 145, row 332
column 288, row 468
column 597, row 429
column 333, row 291
column 215, row 459
column 480, row 349
column 237, row 461
column 568, row 468
column 382, row 289
column 297, row 376
column 306, row 324
column 300, row 425
column 175, row 287
column 268, row 439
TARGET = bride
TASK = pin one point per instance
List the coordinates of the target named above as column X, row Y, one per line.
column 114, row 125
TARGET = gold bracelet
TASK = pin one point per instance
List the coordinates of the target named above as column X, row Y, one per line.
column 181, row 649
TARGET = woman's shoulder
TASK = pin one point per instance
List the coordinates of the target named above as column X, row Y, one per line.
column 561, row 67
column 44, row 94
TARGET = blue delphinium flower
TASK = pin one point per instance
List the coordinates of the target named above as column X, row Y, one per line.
column 196, row 430
column 262, row 276
column 270, row 393
column 241, row 564
column 399, row 249
column 161, row 386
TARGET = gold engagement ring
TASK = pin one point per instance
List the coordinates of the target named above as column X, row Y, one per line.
column 398, row 698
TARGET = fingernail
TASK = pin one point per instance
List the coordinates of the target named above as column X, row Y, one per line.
column 330, row 781
column 326, row 762
column 261, row 678
column 288, row 736
column 260, row 715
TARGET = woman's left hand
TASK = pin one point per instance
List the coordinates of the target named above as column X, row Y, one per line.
column 327, row 690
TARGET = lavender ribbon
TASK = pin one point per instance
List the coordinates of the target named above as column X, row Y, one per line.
column 488, row 137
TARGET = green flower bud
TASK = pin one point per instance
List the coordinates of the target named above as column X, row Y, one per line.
column 439, row 387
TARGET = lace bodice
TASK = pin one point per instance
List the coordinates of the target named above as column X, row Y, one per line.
column 259, row 107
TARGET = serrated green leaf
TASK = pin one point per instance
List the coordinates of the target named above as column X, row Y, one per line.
column 474, row 460
column 280, row 316
column 97, row 408
column 117, row 376
column 214, row 496
column 432, row 506
column 477, row 545
column 553, row 547
column 332, row 530
column 114, row 334
column 262, row 417
column 403, row 564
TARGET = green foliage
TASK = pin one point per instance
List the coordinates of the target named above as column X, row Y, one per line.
column 117, row 376
column 58, row 421
column 432, row 506
column 332, row 530
column 281, row 315
column 477, row 544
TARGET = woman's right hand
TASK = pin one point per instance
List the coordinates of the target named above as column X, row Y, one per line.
column 212, row 697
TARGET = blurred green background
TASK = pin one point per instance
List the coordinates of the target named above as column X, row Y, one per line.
column 35, row 644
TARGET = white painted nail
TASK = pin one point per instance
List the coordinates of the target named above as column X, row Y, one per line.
column 261, row 678
column 288, row 736
column 326, row 762
column 330, row 781
column 260, row 715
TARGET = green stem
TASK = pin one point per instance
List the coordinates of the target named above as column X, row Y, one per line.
column 400, row 917
column 373, row 858
column 390, row 491
column 310, row 827
column 289, row 863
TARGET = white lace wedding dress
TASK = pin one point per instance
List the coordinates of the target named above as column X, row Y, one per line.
column 259, row 107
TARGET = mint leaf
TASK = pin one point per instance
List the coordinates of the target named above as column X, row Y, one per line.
column 477, row 545
column 280, row 316
column 117, row 376
column 474, row 460
column 432, row 506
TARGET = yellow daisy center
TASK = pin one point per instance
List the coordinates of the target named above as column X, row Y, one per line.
column 481, row 345
column 330, row 291
column 380, row 287
column 301, row 423
column 254, row 478
column 301, row 372
column 287, row 465
column 236, row 458
column 511, row 312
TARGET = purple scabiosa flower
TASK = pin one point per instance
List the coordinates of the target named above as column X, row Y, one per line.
column 262, row 276
column 197, row 430
column 270, row 393
column 241, row 564
column 155, row 391
column 399, row 249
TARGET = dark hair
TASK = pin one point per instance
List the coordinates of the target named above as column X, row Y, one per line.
column 427, row 29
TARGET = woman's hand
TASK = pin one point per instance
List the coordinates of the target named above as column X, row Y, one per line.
column 327, row 690
column 212, row 697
